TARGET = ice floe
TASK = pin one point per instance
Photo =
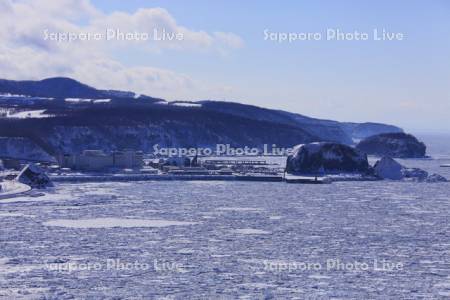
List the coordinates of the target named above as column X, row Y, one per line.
column 114, row 222
column 251, row 231
column 13, row 214
column 251, row 209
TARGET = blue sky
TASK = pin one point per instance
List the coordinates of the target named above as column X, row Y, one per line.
column 400, row 82
column 346, row 80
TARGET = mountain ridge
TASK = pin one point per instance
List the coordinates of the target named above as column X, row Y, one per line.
column 74, row 116
column 62, row 87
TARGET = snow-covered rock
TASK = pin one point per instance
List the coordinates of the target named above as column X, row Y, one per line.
column 388, row 168
column 400, row 145
column 414, row 174
column 436, row 178
column 326, row 158
column 12, row 188
column 34, row 176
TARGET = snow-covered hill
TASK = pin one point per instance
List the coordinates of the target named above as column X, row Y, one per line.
column 62, row 115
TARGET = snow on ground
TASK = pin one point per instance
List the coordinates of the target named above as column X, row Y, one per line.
column 24, row 97
column 77, row 100
column 186, row 104
column 101, row 100
column 36, row 114
column 12, row 188
column 13, row 95
column 114, row 222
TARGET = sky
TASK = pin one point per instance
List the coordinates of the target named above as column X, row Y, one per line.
column 232, row 50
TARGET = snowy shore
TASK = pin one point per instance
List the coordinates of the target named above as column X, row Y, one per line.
column 11, row 189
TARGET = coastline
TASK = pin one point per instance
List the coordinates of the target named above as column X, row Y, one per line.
column 11, row 189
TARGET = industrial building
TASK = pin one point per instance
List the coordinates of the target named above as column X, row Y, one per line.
column 97, row 160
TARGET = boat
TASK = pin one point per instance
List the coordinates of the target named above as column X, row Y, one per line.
column 445, row 166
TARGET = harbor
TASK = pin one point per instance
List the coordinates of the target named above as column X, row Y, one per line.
column 162, row 177
column 256, row 169
column 132, row 166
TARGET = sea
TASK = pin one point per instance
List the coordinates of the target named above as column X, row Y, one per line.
column 232, row 240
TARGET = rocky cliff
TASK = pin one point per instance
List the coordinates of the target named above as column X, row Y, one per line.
column 326, row 158
column 399, row 145
column 113, row 128
column 63, row 115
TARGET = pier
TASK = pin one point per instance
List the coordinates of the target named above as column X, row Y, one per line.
column 304, row 179
column 167, row 177
column 225, row 162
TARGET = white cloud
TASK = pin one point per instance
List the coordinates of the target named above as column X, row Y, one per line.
column 229, row 39
column 151, row 20
column 24, row 54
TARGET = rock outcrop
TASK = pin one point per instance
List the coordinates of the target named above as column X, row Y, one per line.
column 360, row 131
column 436, row 178
column 400, row 145
column 34, row 176
column 414, row 174
column 326, row 158
column 388, row 168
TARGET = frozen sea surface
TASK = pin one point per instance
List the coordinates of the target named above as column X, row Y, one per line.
column 113, row 222
column 228, row 240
